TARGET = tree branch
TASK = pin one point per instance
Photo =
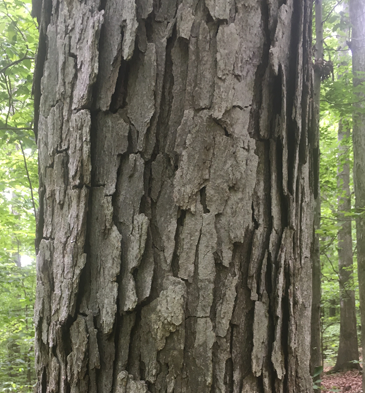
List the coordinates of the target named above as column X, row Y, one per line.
column 330, row 13
column 16, row 128
column 2, row 70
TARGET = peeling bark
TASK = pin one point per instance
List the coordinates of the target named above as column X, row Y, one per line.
column 176, row 197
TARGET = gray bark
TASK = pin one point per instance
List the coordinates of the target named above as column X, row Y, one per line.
column 316, row 342
column 357, row 17
column 176, row 186
column 348, row 351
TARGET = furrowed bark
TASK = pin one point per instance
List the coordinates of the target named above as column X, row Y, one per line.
column 177, row 203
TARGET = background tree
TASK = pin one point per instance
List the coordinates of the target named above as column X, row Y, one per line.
column 176, row 197
column 348, row 353
column 357, row 16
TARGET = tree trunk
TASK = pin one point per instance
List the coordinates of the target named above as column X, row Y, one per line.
column 176, row 216
column 316, row 343
column 348, row 351
column 357, row 17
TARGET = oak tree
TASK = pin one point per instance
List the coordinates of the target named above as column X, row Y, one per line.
column 177, row 185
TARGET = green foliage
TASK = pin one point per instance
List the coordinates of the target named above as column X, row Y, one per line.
column 18, row 201
column 17, row 289
column 18, row 44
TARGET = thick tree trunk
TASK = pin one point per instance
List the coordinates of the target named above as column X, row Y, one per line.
column 348, row 351
column 357, row 16
column 176, row 188
column 316, row 343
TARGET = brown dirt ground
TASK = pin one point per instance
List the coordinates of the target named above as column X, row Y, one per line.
column 349, row 382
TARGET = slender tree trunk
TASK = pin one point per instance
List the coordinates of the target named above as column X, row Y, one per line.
column 176, row 196
column 316, row 345
column 348, row 351
column 357, row 16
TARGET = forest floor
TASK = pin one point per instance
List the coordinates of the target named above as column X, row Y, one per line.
column 349, row 382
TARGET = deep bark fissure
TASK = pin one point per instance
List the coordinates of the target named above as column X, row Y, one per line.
column 117, row 329
column 175, row 257
column 43, row 16
column 254, row 127
column 162, row 115
column 292, row 129
column 133, row 334
column 277, row 87
column 40, row 219
column 243, row 314
column 284, row 199
column 102, row 5
column 119, row 97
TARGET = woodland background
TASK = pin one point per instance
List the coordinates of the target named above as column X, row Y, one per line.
column 19, row 183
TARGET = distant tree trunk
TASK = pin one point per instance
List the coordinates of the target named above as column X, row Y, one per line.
column 348, row 351
column 176, row 196
column 316, row 344
column 357, row 17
